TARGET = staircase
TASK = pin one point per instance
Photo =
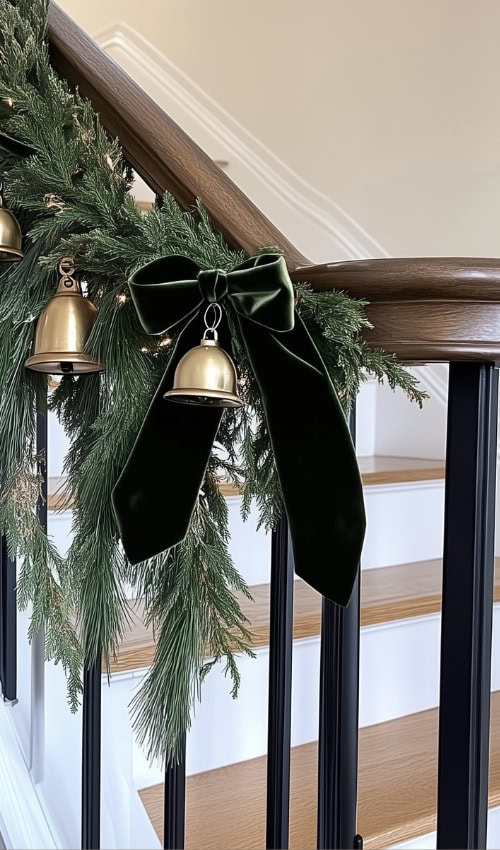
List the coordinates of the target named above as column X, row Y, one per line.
column 397, row 790
column 424, row 310
column 400, row 611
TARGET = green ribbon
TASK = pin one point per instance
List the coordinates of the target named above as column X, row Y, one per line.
column 156, row 493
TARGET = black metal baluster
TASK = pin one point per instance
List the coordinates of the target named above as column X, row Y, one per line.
column 338, row 720
column 280, row 689
column 42, row 452
column 174, row 803
column 174, row 800
column 91, row 758
column 8, row 624
column 91, row 728
column 468, row 572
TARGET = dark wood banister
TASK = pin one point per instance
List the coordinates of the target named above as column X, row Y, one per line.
column 423, row 309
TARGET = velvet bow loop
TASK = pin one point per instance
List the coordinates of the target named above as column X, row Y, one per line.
column 171, row 290
column 157, row 491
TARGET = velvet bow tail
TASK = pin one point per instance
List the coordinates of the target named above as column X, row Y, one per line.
column 314, row 457
column 157, row 491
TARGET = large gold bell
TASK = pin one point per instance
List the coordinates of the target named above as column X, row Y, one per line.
column 63, row 329
column 205, row 376
column 11, row 238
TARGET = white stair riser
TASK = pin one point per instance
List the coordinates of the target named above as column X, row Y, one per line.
column 58, row 443
column 399, row 676
column 393, row 535
column 404, row 523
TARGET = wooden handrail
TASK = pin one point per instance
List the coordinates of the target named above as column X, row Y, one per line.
column 161, row 153
column 422, row 309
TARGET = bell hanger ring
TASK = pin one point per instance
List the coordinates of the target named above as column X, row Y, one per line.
column 212, row 328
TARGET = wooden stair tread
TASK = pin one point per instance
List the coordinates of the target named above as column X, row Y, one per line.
column 387, row 594
column 397, row 790
column 384, row 469
column 379, row 469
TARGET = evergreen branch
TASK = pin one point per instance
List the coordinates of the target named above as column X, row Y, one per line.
column 72, row 197
column 200, row 571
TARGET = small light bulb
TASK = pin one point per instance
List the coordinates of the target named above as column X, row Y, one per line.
column 164, row 342
column 122, row 298
column 145, row 350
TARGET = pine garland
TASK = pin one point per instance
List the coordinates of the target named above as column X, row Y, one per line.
column 73, row 198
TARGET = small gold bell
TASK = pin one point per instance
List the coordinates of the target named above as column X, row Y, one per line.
column 206, row 374
column 63, row 329
column 11, row 237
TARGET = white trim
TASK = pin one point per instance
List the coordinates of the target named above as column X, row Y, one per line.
column 37, row 729
column 204, row 119
column 405, row 622
column 405, row 486
column 22, row 820
column 434, row 377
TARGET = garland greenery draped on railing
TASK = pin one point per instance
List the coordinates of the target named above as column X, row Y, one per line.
column 73, row 198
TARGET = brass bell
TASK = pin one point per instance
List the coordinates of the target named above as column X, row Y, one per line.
column 63, row 329
column 206, row 375
column 11, row 237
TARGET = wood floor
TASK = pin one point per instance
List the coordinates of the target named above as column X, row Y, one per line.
column 397, row 790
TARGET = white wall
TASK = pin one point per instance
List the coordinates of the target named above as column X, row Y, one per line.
column 390, row 108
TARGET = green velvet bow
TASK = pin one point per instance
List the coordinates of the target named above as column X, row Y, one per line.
column 156, row 493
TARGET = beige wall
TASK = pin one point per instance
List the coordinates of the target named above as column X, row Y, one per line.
column 391, row 107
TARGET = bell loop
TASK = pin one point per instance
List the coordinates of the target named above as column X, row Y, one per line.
column 215, row 336
column 67, row 270
column 67, row 267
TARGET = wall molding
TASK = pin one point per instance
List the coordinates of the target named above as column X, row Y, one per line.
column 312, row 220
column 22, row 820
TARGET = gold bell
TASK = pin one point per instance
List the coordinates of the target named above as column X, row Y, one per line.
column 206, row 374
column 63, row 329
column 11, row 237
